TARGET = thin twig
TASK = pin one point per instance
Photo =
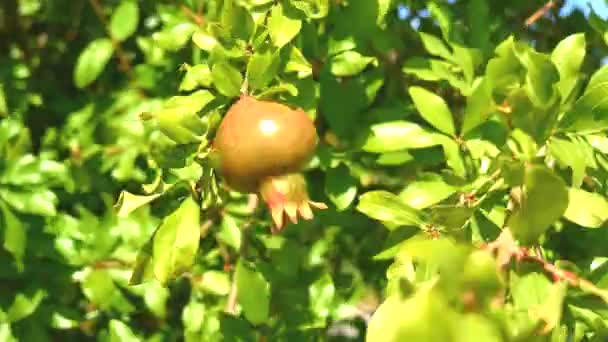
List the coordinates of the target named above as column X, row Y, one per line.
column 507, row 248
column 540, row 12
column 231, row 303
column 571, row 278
column 111, row 263
column 196, row 17
column 123, row 61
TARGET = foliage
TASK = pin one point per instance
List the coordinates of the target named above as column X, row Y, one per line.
column 463, row 156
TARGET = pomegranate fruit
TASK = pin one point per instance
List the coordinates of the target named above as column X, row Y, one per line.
column 260, row 147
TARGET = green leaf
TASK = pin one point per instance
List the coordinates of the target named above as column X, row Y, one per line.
column 24, row 305
column 590, row 111
column 450, row 217
column 569, row 154
column 204, row 40
column 155, row 297
column 394, row 158
column 467, row 59
column 193, row 316
column 503, row 72
column 599, row 77
column 321, row 294
column 29, row 170
column 340, row 187
column 568, row 57
column 478, row 15
column 479, row 106
column 389, row 208
column 128, row 202
column 6, row 334
column 349, row 63
column 550, row 312
column 435, row 46
column 314, row 9
column 530, row 290
column 253, row 293
column 298, row 63
column 541, row 75
column 384, row 7
column 37, row 201
column 522, row 144
column 598, row 142
column 196, row 76
column 175, row 36
column 598, row 24
column 99, row 288
column 236, row 21
column 278, row 89
column 586, row 209
column 227, row 79
column 15, row 239
column 179, row 118
column 215, row 282
column 337, row 45
column 433, row 109
column 144, row 268
column 453, row 156
column 398, row 135
column 423, row 317
column 124, row 20
column 92, row 61
column 3, row 105
column 282, row 28
column 176, row 241
column 443, row 15
column 429, row 69
column 119, row 331
column 534, row 214
column 424, row 193
column 230, row 233
column 261, row 69
column 236, row 329
column 342, row 102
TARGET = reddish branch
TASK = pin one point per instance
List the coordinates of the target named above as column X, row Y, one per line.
column 540, row 12
column 506, row 249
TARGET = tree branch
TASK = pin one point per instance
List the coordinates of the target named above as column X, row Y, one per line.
column 540, row 12
column 506, row 249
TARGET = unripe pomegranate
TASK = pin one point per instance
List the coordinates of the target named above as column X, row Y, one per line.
column 261, row 146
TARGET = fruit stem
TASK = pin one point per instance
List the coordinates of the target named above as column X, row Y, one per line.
column 245, row 87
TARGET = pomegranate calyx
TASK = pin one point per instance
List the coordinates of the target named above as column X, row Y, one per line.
column 286, row 196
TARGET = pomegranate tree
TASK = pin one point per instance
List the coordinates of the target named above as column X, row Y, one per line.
column 261, row 147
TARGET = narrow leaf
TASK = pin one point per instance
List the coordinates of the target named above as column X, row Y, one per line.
column 92, row 61
column 388, row 208
column 586, row 209
column 433, row 109
column 124, row 20
column 398, row 135
column 535, row 214
column 253, row 293
column 340, row 187
column 227, row 79
column 282, row 29
column 176, row 241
